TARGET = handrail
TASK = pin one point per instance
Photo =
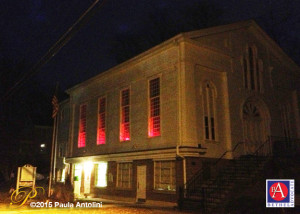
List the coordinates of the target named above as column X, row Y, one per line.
column 220, row 158
column 262, row 145
column 215, row 163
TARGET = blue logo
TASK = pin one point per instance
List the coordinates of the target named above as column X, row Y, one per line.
column 280, row 193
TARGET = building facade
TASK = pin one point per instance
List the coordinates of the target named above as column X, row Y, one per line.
column 142, row 129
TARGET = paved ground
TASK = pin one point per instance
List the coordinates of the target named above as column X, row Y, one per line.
column 105, row 209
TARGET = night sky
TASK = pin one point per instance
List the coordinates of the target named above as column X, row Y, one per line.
column 29, row 28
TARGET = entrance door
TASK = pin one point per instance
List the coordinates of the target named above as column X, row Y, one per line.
column 77, row 179
column 141, row 183
column 254, row 127
column 88, row 166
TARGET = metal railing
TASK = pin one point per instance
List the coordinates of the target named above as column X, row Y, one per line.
column 199, row 177
column 273, row 146
column 284, row 146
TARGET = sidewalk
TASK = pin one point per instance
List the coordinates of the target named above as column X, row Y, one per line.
column 132, row 203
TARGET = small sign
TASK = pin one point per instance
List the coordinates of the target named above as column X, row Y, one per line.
column 280, row 193
column 27, row 173
column 26, row 177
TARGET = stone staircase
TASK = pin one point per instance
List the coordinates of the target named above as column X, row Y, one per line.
column 232, row 179
column 211, row 195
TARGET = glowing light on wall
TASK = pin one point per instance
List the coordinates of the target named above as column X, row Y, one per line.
column 125, row 115
column 88, row 166
column 154, row 119
column 82, row 127
column 101, row 175
column 101, row 121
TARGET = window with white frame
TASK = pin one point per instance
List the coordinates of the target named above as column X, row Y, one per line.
column 154, row 108
column 101, row 121
column 101, row 174
column 209, row 96
column 82, row 126
column 286, row 120
column 124, row 175
column 125, row 115
column 164, row 175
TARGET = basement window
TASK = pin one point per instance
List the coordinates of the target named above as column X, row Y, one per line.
column 164, row 175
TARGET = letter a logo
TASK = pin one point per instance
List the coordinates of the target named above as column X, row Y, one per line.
column 277, row 189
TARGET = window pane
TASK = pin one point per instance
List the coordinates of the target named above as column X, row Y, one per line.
column 206, row 127
column 101, row 121
column 154, row 119
column 125, row 116
column 124, row 175
column 82, row 126
column 164, row 173
column 154, row 88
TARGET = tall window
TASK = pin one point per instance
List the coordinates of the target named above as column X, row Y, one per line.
column 209, row 111
column 101, row 174
column 286, row 120
column 124, row 175
column 164, row 172
column 252, row 70
column 154, row 101
column 82, row 126
column 101, row 121
column 125, row 115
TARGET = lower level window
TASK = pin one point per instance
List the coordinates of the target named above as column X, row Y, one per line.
column 101, row 174
column 164, row 172
column 124, row 175
column 60, row 175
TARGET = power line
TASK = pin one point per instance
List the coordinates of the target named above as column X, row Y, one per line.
column 54, row 49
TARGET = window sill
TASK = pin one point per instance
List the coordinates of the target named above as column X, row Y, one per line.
column 125, row 189
column 171, row 192
column 100, row 187
column 124, row 141
column 150, row 137
column 212, row 141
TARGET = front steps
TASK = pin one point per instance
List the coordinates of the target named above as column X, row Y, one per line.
column 211, row 196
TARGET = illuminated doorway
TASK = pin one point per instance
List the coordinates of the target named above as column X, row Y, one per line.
column 77, row 179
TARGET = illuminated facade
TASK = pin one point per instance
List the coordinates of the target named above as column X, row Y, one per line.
column 142, row 129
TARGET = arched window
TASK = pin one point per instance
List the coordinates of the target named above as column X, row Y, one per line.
column 252, row 69
column 286, row 120
column 209, row 96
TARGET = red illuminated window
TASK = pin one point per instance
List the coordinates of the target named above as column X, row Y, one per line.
column 154, row 119
column 125, row 119
column 101, row 122
column 82, row 126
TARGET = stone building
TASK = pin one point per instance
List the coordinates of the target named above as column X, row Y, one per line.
column 142, row 129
